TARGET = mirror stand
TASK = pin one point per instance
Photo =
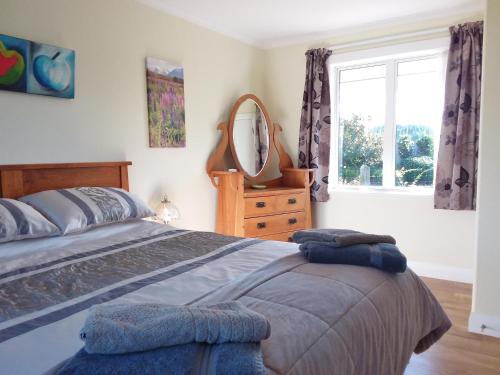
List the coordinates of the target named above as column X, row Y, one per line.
column 273, row 213
column 217, row 164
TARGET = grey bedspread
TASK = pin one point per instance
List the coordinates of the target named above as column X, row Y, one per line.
column 325, row 319
column 339, row 319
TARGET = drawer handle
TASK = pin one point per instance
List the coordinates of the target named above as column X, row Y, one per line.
column 292, row 221
column 292, row 201
column 261, row 225
column 260, row 204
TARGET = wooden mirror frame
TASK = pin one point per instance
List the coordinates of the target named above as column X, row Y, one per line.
column 270, row 129
column 216, row 163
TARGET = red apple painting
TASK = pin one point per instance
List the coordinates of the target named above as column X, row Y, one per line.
column 36, row 68
column 13, row 61
column 11, row 66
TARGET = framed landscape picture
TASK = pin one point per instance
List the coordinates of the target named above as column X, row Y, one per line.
column 166, row 115
column 36, row 68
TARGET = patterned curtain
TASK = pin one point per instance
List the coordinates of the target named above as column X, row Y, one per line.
column 314, row 139
column 456, row 172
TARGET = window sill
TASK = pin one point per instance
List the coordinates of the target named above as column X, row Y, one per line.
column 413, row 191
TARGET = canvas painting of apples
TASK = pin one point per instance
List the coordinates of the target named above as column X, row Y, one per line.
column 165, row 93
column 36, row 68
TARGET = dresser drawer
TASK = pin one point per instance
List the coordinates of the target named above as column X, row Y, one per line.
column 285, row 237
column 265, row 225
column 272, row 204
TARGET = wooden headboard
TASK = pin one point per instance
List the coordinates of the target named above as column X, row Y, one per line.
column 23, row 179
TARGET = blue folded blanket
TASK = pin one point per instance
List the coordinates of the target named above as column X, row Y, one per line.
column 219, row 359
column 158, row 339
column 383, row 256
column 340, row 237
column 115, row 329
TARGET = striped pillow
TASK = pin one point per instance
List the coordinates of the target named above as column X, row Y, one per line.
column 18, row 221
column 78, row 209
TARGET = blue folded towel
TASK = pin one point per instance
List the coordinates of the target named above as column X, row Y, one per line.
column 340, row 237
column 383, row 256
column 219, row 359
column 115, row 329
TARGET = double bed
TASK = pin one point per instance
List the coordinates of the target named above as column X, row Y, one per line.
column 325, row 319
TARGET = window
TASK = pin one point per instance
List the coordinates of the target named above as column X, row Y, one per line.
column 388, row 114
column 361, row 125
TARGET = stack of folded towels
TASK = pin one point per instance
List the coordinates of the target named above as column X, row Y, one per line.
column 343, row 246
column 165, row 339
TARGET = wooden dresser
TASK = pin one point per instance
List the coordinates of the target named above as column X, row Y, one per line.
column 272, row 213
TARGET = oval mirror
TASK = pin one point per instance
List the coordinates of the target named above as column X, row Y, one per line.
column 250, row 135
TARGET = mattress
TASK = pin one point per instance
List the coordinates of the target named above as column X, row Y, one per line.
column 325, row 319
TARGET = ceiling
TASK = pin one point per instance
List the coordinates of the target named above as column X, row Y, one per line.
column 271, row 23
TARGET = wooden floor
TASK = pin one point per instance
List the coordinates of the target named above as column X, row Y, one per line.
column 459, row 352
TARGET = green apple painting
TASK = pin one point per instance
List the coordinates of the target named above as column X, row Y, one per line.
column 52, row 71
column 36, row 68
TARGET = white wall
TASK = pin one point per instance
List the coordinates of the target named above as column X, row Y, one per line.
column 486, row 305
column 427, row 236
column 108, row 118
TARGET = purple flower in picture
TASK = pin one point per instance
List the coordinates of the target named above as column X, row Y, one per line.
column 180, row 102
column 165, row 100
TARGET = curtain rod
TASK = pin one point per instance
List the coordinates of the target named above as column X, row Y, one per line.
column 389, row 38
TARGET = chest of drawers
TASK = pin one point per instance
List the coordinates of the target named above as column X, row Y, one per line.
column 274, row 213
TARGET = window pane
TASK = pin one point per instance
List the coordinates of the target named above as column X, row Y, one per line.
column 419, row 66
column 419, row 101
column 356, row 74
column 361, row 130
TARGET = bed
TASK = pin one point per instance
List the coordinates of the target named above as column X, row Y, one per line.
column 325, row 319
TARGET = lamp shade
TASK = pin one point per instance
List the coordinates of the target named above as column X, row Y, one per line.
column 167, row 211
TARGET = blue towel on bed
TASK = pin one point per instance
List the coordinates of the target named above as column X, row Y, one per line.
column 163, row 339
column 115, row 329
column 218, row 359
column 340, row 237
column 383, row 256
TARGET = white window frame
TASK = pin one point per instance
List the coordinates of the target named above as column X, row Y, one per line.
column 390, row 56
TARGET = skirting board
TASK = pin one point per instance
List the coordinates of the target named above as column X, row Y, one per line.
column 484, row 324
column 439, row 271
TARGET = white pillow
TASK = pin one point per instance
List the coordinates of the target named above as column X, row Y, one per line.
column 18, row 221
column 79, row 209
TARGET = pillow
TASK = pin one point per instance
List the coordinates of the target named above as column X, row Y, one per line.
column 18, row 221
column 76, row 210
